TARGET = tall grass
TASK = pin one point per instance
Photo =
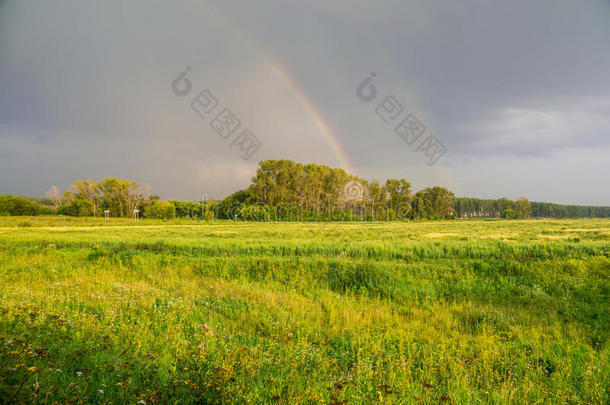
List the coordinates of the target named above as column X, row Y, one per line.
column 428, row 312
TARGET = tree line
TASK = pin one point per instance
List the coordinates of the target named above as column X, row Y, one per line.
column 522, row 208
column 90, row 198
column 284, row 190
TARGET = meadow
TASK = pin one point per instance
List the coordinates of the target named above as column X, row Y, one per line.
column 415, row 312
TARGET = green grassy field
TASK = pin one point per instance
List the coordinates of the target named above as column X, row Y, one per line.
column 421, row 312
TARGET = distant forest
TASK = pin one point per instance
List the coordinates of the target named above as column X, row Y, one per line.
column 284, row 190
column 475, row 207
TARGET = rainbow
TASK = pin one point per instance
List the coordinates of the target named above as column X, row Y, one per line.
column 307, row 103
column 316, row 116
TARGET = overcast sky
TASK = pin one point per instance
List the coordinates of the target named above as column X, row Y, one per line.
column 518, row 92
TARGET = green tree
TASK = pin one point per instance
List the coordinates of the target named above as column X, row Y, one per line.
column 509, row 213
column 121, row 197
column 398, row 197
column 86, row 190
column 255, row 212
column 523, row 208
column 160, row 210
column 434, row 202
column 13, row 205
column 230, row 206
column 77, row 208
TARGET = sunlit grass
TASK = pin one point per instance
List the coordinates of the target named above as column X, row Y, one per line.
column 181, row 311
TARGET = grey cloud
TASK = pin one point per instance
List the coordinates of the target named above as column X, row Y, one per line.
column 514, row 80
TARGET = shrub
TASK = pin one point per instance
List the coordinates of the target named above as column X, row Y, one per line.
column 13, row 205
column 77, row 208
column 193, row 210
column 510, row 213
column 209, row 215
column 260, row 213
column 45, row 210
column 160, row 210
